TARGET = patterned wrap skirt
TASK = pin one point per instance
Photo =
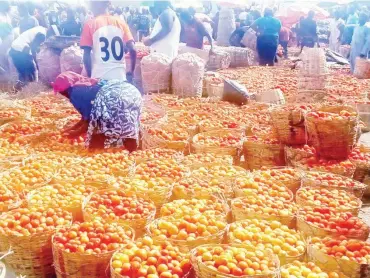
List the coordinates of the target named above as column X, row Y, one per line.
column 115, row 114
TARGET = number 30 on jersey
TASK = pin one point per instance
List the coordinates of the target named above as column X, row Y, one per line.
column 111, row 49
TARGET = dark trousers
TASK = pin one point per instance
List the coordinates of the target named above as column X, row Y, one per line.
column 284, row 44
column 266, row 47
column 24, row 64
column 97, row 142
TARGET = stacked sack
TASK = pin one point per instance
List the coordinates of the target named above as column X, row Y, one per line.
column 49, row 65
column 156, row 73
column 226, row 26
column 187, row 75
column 71, row 59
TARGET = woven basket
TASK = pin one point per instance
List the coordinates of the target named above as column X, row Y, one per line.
column 358, row 190
column 234, row 151
column 11, row 204
column 283, row 259
column 150, row 109
column 258, row 154
column 349, row 268
column 219, row 60
column 240, row 57
column 310, row 230
column 333, row 139
column 203, row 271
column 240, row 214
column 354, row 210
column 138, row 225
column 185, row 245
column 289, row 125
column 76, row 265
column 150, row 141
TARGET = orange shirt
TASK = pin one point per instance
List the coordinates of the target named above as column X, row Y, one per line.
column 106, row 35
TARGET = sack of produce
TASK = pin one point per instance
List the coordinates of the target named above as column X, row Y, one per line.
column 313, row 62
column 250, row 39
column 156, row 73
column 49, row 65
column 288, row 122
column 71, row 59
column 220, row 59
column 240, row 57
column 187, row 75
column 203, row 259
column 226, row 26
column 202, row 53
column 29, row 239
column 137, row 75
column 362, row 68
column 333, row 130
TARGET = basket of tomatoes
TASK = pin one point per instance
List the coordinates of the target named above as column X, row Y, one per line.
column 332, row 181
column 119, row 206
column 220, row 142
column 310, row 269
column 189, row 232
column 85, row 249
column 27, row 233
column 288, row 244
column 342, row 255
column 341, row 200
column 360, row 157
column 289, row 123
column 325, row 221
column 145, row 258
column 221, row 260
column 333, row 130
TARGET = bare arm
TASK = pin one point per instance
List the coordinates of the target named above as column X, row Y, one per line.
column 87, row 61
column 132, row 51
column 166, row 20
column 203, row 31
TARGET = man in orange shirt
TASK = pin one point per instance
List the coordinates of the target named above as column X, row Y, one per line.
column 284, row 38
column 104, row 40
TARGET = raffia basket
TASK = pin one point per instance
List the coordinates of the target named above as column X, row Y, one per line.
column 76, row 265
column 283, row 259
column 32, row 255
column 233, row 151
column 239, row 214
column 184, row 245
column 259, row 154
column 11, row 204
column 203, row 271
column 289, row 125
column 150, row 141
column 349, row 268
column 138, row 225
column 151, row 108
column 362, row 69
column 358, row 190
column 354, row 210
column 310, row 230
column 333, row 138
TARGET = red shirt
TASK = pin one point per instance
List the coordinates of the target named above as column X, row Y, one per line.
column 194, row 34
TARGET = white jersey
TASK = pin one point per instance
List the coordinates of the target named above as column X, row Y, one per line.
column 169, row 45
column 26, row 38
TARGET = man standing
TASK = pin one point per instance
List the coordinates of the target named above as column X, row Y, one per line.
column 309, row 31
column 284, row 38
column 144, row 24
column 106, row 37
column 27, row 20
column 268, row 29
column 165, row 36
column 23, row 53
column 335, row 34
column 360, row 45
column 194, row 31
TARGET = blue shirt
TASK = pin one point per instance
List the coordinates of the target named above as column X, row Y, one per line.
column 268, row 26
column 82, row 98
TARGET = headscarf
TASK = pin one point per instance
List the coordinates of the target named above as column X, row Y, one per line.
column 69, row 79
